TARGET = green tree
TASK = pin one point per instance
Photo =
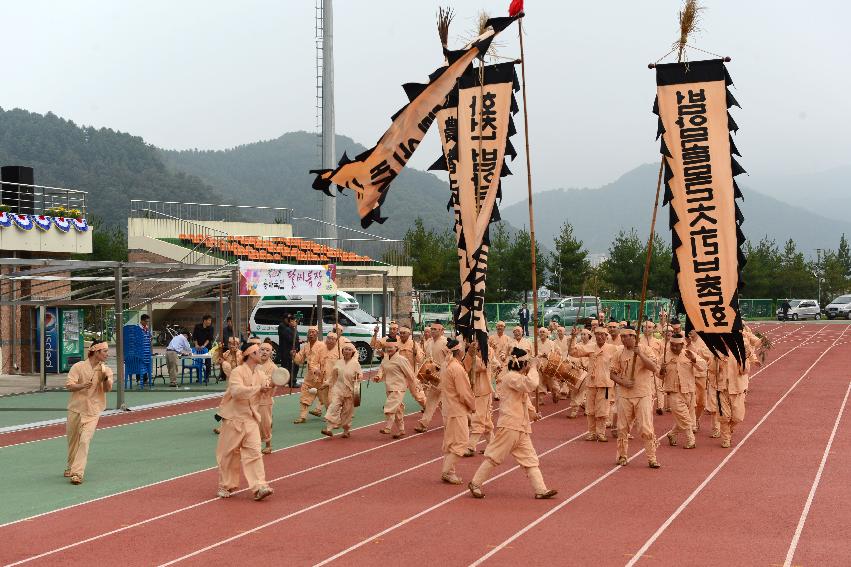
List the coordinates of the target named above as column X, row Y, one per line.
column 519, row 276
column 798, row 279
column 567, row 265
column 623, row 269
column 433, row 256
column 660, row 281
column 835, row 280
column 109, row 242
column 499, row 265
column 762, row 271
column 843, row 255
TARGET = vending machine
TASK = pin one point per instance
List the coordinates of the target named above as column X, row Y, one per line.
column 71, row 338
column 63, row 339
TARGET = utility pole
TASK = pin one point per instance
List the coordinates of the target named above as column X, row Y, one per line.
column 325, row 110
column 818, row 274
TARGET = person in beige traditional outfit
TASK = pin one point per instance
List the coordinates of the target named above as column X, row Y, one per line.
column 345, row 376
column 695, row 344
column 435, row 350
column 545, row 347
column 679, row 371
column 498, row 349
column 577, row 397
column 649, row 340
column 312, row 353
column 396, row 374
column 267, row 367
column 481, row 422
column 228, row 360
column 377, row 344
column 514, row 429
column 731, row 387
column 413, row 352
column 600, row 354
column 458, row 402
column 239, row 441
column 88, row 381
column 633, row 371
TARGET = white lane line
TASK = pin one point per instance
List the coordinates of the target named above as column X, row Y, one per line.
column 163, row 481
column 319, row 504
column 525, row 529
column 702, row 485
column 803, row 519
column 434, row 507
column 203, row 502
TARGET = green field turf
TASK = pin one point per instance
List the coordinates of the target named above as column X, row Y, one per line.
column 138, row 454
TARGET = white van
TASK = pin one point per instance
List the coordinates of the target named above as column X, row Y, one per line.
column 358, row 325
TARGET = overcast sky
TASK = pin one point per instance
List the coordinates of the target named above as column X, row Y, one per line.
column 212, row 74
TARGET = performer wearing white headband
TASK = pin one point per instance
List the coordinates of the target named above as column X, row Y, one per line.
column 240, row 430
column 88, row 381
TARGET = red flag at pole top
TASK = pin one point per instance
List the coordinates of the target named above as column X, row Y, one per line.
column 515, row 8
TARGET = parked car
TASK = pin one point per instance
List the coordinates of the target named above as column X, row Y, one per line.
column 358, row 325
column 800, row 309
column 839, row 307
column 567, row 310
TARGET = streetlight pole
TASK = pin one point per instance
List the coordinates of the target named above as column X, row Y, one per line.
column 818, row 274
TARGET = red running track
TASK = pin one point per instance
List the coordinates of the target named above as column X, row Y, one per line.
column 319, row 513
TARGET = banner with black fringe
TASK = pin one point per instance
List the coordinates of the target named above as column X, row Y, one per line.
column 692, row 103
column 370, row 174
column 475, row 126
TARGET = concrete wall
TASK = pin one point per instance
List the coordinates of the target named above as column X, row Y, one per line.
column 53, row 240
column 170, row 228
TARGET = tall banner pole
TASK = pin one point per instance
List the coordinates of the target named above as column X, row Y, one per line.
column 529, row 187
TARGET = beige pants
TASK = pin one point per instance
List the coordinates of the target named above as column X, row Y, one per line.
column 79, row 429
column 682, row 408
column 597, row 409
column 265, row 423
column 456, row 435
column 432, row 397
column 731, row 412
column 239, row 441
column 639, row 410
column 307, row 398
column 699, row 401
column 517, row 444
column 482, row 420
column 577, row 397
column 660, row 393
column 172, row 360
column 340, row 413
column 394, row 411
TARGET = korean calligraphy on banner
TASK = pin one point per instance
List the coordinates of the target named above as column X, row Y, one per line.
column 475, row 126
column 370, row 174
column 697, row 148
column 259, row 278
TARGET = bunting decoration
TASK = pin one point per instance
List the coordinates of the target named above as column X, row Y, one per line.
column 370, row 174
column 697, row 149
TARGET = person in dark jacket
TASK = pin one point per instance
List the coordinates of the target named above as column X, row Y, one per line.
column 288, row 344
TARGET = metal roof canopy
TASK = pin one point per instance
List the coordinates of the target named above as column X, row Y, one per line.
column 113, row 290
column 109, row 290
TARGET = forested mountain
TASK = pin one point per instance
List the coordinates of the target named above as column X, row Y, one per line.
column 111, row 166
column 598, row 214
column 276, row 173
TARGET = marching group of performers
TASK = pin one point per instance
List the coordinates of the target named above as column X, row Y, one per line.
column 615, row 374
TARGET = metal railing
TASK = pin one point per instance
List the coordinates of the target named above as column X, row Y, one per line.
column 210, row 211
column 382, row 250
column 27, row 199
column 178, row 226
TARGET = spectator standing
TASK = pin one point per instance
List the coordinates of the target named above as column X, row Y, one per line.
column 288, row 345
column 179, row 346
column 523, row 315
column 202, row 337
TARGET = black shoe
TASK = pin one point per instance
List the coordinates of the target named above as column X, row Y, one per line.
column 173, row 385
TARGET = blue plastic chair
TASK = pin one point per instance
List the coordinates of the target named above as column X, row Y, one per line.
column 194, row 365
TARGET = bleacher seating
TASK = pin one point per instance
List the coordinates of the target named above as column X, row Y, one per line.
column 279, row 250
